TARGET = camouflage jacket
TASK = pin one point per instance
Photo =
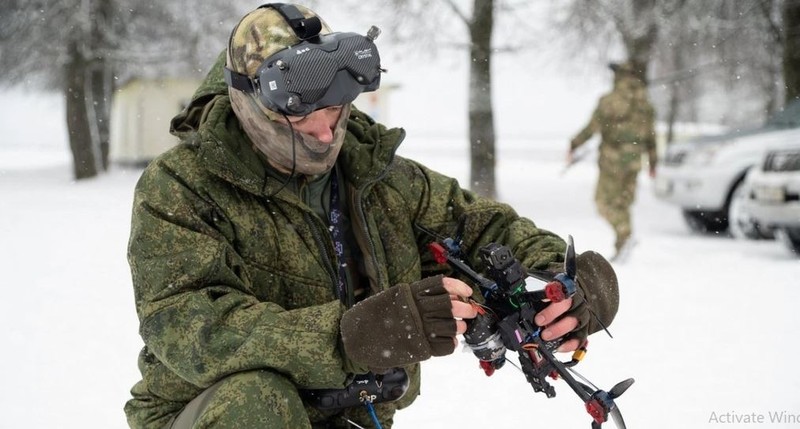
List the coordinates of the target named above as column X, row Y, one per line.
column 625, row 120
column 228, row 278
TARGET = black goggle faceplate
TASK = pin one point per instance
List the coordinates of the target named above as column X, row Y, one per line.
column 331, row 70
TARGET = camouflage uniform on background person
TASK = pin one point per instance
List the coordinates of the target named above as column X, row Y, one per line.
column 625, row 120
column 234, row 267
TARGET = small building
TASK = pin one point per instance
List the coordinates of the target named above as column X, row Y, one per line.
column 140, row 115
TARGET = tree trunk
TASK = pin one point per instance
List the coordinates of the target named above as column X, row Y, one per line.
column 675, row 98
column 99, row 104
column 101, row 15
column 640, row 37
column 481, row 116
column 80, row 136
column 791, row 49
column 672, row 113
column 88, row 91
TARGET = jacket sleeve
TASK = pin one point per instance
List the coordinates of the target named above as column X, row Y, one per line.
column 198, row 314
column 444, row 205
column 588, row 131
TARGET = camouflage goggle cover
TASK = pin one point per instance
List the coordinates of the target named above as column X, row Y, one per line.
column 328, row 70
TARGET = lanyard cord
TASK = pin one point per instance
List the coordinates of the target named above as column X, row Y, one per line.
column 372, row 414
column 336, row 218
column 337, row 233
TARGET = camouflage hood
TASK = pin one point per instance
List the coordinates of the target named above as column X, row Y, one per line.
column 190, row 119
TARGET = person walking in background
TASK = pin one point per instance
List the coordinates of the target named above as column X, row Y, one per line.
column 625, row 120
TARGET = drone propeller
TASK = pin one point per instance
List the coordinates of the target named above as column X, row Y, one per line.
column 620, row 388
column 601, row 404
column 615, row 393
column 570, row 261
column 616, row 415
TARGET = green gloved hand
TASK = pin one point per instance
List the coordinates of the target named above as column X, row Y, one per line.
column 597, row 290
column 406, row 324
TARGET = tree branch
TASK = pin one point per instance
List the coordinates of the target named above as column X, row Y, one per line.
column 454, row 7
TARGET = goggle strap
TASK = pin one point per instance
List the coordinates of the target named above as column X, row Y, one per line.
column 239, row 81
column 304, row 28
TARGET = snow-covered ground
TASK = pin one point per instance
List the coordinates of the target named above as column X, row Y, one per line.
column 706, row 324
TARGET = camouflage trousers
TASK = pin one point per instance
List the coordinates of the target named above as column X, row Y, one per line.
column 265, row 400
column 616, row 190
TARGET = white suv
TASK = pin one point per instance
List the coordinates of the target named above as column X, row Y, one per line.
column 704, row 176
column 772, row 198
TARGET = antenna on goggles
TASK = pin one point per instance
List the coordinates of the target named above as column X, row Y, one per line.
column 373, row 33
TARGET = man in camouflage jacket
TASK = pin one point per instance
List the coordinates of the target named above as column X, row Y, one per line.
column 625, row 120
column 235, row 271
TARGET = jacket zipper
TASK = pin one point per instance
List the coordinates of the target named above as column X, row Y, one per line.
column 313, row 221
column 330, row 266
column 362, row 215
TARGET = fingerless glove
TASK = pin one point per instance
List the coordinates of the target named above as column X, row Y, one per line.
column 598, row 290
column 405, row 324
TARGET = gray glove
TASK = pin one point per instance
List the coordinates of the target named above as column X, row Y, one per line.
column 406, row 324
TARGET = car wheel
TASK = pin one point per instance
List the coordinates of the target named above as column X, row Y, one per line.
column 705, row 221
column 740, row 225
column 790, row 237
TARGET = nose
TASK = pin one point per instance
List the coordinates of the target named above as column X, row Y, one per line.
column 320, row 124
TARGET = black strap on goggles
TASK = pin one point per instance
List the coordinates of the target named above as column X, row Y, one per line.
column 304, row 28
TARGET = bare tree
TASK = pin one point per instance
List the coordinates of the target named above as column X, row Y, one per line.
column 704, row 50
column 61, row 45
column 481, row 111
column 84, row 47
column 791, row 48
column 746, row 42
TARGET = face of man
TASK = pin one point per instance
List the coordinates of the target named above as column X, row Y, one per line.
column 320, row 124
column 307, row 145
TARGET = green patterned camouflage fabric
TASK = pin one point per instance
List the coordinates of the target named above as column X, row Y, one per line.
column 625, row 120
column 260, row 34
column 234, row 284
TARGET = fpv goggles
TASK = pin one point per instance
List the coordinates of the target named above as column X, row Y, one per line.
column 320, row 71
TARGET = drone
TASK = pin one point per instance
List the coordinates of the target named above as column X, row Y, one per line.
column 505, row 322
